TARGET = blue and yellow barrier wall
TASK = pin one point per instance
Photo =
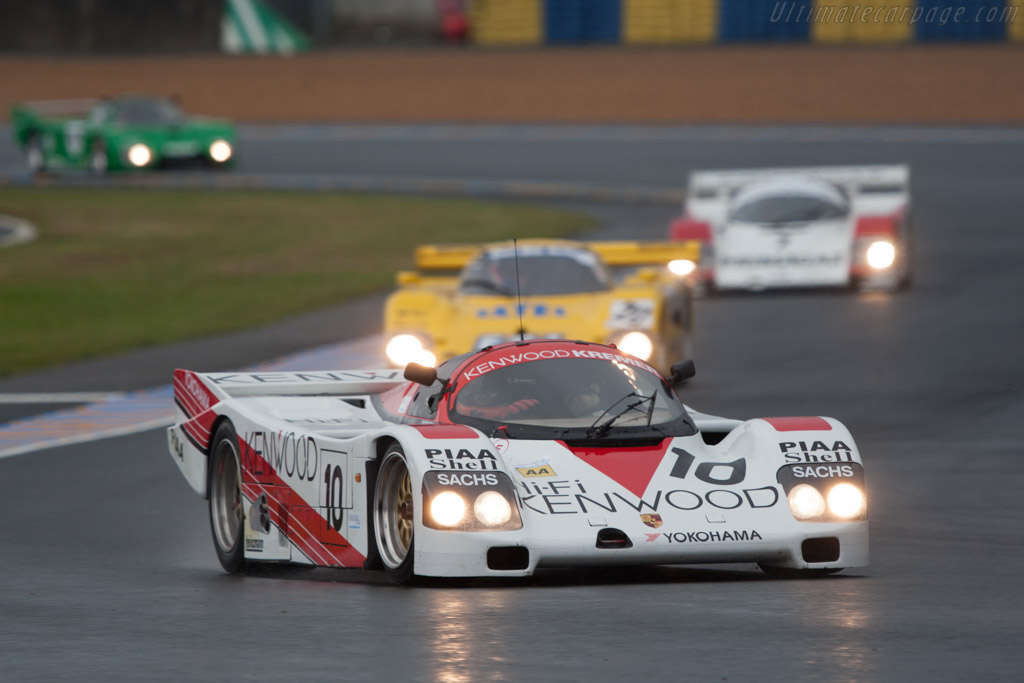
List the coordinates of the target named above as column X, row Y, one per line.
column 652, row 22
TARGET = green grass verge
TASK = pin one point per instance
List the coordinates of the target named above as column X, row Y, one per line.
column 120, row 269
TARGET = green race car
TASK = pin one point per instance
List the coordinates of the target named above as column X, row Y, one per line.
column 131, row 132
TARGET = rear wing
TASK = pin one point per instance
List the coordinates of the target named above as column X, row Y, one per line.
column 62, row 109
column 198, row 392
column 446, row 260
column 889, row 179
column 633, row 254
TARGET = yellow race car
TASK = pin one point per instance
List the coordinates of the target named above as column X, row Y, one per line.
column 463, row 297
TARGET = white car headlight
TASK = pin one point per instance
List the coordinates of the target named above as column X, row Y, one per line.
column 139, row 154
column 636, row 344
column 682, row 267
column 806, row 502
column 492, row 508
column 448, row 508
column 403, row 349
column 846, row 501
column 220, row 151
column 881, row 254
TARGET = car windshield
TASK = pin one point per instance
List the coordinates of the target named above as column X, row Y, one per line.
column 577, row 398
column 793, row 208
column 542, row 271
column 147, row 112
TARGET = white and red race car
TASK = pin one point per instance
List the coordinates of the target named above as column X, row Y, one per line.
column 517, row 456
column 829, row 226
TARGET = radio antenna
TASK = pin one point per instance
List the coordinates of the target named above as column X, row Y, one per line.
column 519, row 291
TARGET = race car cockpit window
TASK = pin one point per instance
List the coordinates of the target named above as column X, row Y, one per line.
column 425, row 400
column 542, row 271
column 570, row 398
column 147, row 112
column 795, row 208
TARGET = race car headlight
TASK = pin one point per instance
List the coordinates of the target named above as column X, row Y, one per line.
column 806, row 502
column 448, row 508
column 846, row 501
column 636, row 344
column 139, row 154
column 451, row 495
column 881, row 254
column 682, row 267
column 403, row 349
column 492, row 509
column 220, row 151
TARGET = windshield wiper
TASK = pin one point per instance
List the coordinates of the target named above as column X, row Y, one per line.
column 601, row 429
column 486, row 284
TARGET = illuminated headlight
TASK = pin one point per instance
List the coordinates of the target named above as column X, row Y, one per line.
column 846, row 501
column 470, row 501
column 806, row 502
column 139, row 154
column 448, row 508
column 636, row 344
column 881, row 254
column 492, row 508
column 220, row 151
column 403, row 349
column 682, row 267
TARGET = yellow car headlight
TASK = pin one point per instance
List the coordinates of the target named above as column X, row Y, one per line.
column 682, row 267
column 403, row 349
column 636, row 344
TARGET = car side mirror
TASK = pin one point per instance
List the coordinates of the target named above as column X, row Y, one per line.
column 682, row 371
column 421, row 374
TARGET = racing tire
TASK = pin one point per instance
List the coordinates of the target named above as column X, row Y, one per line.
column 393, row 516
column 776, row 572
column 99, row 162
column 35, row 155
column 227, row 508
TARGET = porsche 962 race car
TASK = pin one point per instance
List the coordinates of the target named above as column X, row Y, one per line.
column 800, row 227
column 500, row 461
column 636, row 295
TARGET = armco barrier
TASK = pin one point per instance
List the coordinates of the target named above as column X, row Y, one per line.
column 582, row 21
column 563, row 22
column 961, row 20
column 828, row 30
column 506, row 22
column 752, row 20
column 670, row 21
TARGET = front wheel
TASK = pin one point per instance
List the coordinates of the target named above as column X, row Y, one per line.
column 226, row 506
column 99, row 162
column 35, row 155
column 393, row 519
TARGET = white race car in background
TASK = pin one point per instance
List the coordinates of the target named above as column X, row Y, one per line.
column 518, row 456
column 800, row 227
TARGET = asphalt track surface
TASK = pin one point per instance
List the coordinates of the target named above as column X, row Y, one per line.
column 109, row 573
